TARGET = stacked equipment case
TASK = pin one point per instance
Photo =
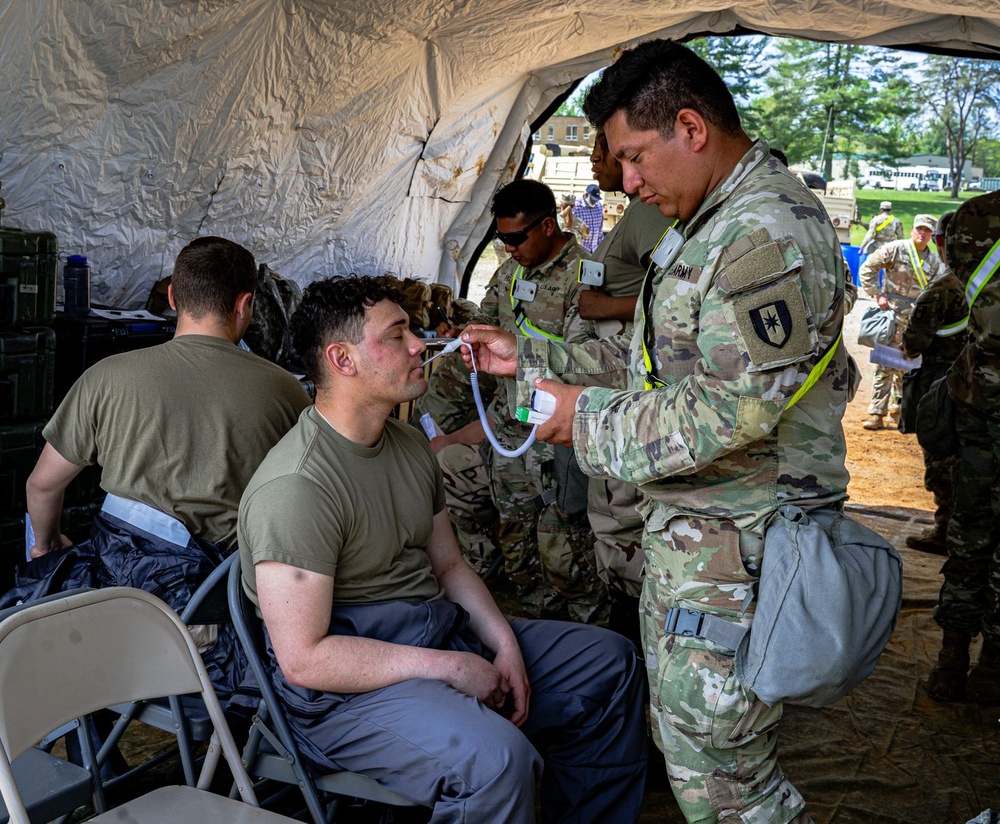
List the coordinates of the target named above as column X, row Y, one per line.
column 42, row 353
column 27, row 375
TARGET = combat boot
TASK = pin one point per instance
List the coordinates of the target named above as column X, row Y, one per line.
column 930, row 540
column 948, row 678
column 873, row 422
column 984, row 680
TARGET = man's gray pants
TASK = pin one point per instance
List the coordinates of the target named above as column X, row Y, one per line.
column 445, row 750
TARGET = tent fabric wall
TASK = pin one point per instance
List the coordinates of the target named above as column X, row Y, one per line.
column 359, row 136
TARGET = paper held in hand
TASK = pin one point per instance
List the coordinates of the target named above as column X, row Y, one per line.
column 893, row 358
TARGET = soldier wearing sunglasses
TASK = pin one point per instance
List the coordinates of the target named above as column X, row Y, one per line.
column 542, row 522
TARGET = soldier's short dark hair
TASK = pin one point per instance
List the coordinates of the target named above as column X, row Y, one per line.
column 528, row 197
column 209, row 276
column 332, row 311
column 652, row 82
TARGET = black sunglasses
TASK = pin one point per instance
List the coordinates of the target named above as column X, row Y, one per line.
column 521, row 235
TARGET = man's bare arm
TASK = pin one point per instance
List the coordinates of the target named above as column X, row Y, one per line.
column 45, row 490
column 296, row 605
column 596, row 304
column 463, row 586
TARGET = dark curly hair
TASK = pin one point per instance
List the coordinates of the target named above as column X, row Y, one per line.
column 333, row 310
column 652, row 82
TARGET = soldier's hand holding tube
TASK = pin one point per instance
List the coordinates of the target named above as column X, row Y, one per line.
column 496, row 350
column 558, row 429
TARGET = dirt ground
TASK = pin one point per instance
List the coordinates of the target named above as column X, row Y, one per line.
column 887, row 467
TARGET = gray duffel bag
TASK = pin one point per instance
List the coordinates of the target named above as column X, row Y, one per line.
column 877, row 326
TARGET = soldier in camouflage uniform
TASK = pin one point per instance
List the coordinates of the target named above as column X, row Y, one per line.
column 535, row 293
column 936, row 332
column 882, row 229
column 970, row 596
column 612, row 504
column 736, row 322
column 908, row 265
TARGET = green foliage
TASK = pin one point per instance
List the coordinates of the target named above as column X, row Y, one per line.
column 739, row 61
column 828, row 98
column 987, row 154
column 572, row 106
column 964, row 95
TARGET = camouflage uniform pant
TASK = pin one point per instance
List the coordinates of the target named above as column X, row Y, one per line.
column 611, row 507
column 970, row 596
column 887, row 385
column 534, row 526
column 937, row 480
column 467, row 491
column 719, row 740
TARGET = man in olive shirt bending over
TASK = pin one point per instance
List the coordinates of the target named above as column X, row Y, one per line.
column 393, row 660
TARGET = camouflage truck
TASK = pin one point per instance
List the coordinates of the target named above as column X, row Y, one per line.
column 572, row 175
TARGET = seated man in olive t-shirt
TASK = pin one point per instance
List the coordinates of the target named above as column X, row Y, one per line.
column 178, row 430
column 392, row 658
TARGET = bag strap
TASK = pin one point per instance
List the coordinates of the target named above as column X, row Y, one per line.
column 696, row 624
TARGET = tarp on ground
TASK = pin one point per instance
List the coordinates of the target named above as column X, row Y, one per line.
column 332, row 137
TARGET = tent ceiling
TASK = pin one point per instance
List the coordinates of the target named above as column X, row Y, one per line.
column 358, row 136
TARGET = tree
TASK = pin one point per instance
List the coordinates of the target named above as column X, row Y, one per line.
column 964, row 95
column 828, row 98
column 987, row 154
column 739, row 61
column 572, row 106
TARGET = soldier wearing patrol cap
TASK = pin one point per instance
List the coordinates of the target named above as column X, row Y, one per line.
column 907, row 266
column 882, row 229
column 727, row 405
column 969, row 602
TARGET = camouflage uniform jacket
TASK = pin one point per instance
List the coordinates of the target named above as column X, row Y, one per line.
column 899, row 281
column 893, row 230
column 737, row 322
column 975, row 378
column 555, row 311
column 941, row 304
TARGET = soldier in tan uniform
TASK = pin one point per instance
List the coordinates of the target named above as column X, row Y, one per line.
column 908, row 266
column 882, row 229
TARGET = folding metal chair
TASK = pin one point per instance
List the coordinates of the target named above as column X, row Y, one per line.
column 185, row 716
column 69, row 657
column 271, row 751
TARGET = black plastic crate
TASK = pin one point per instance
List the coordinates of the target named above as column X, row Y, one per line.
column 20, row 446
column 28, row 267
column 27, row 373
column 82, row 341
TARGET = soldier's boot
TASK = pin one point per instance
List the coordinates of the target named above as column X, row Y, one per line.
column 984, row 680
column 873, row 422
column 948, row 678
column 930, row 540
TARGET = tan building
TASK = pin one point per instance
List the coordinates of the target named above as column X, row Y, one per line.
column 570, row 133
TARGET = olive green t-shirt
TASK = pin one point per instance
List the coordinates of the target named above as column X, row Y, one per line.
column 362, row 515
column 181, row 427
column 623, row 248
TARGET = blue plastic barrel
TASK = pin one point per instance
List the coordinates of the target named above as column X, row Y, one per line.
column 852, row 254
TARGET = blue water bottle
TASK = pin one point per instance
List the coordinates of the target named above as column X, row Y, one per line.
column 76, row 280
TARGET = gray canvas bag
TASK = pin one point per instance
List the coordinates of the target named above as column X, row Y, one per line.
column 877, row 326
column 828, row 598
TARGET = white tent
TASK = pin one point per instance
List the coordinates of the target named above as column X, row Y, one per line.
column 359, row 136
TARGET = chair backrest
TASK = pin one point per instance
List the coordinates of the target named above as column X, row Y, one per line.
column 88, row 650
column 250, row 631
column 208, row 604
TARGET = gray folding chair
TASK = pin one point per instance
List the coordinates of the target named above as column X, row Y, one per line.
column 271, row 752
column 69, row 657
column 186, row 716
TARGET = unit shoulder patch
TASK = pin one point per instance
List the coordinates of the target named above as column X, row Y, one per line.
column 774, row 325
